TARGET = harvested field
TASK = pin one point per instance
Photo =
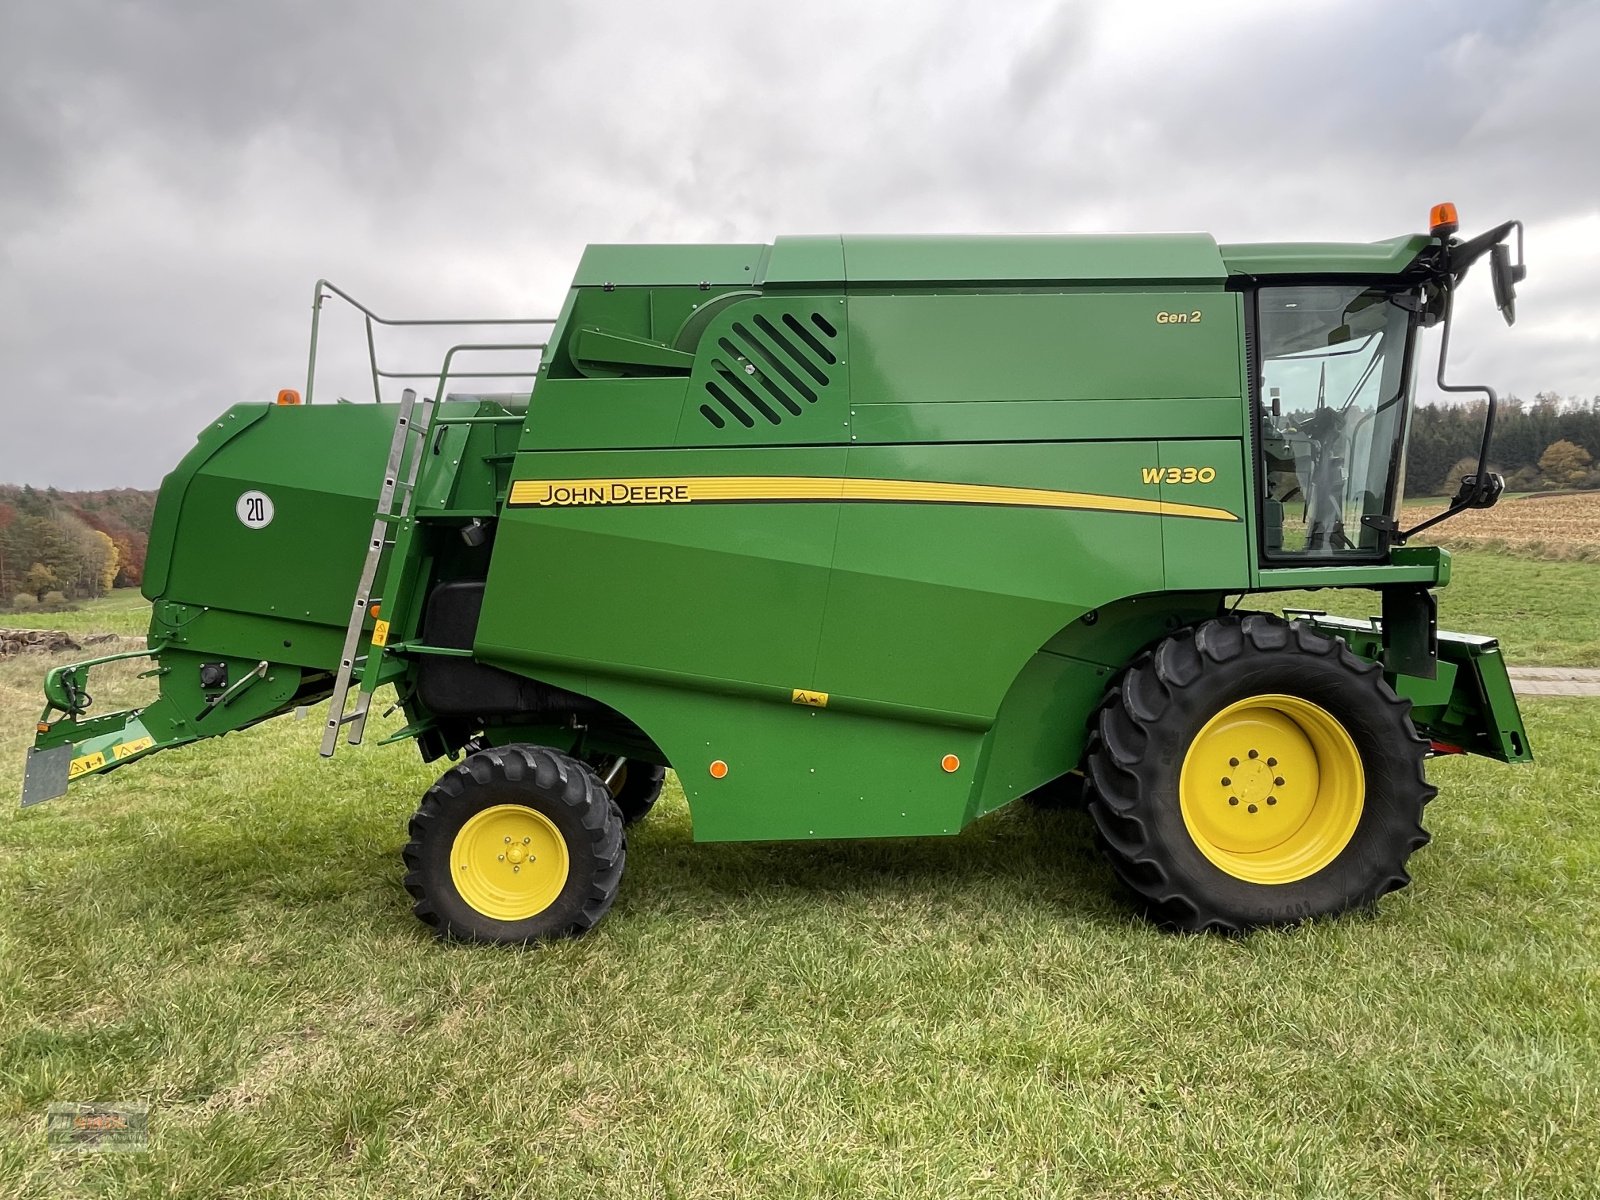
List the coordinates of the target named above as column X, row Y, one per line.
column 1565, row 526
column 46, row 641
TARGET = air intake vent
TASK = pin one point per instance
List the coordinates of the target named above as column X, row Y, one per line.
column 769, row 367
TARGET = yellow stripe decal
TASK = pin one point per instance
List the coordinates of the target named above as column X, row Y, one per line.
column 734, row 489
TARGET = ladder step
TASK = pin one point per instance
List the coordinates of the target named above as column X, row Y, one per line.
column 393, row 508
column 358, row 719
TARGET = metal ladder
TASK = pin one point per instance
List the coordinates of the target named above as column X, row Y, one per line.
column 414, row 420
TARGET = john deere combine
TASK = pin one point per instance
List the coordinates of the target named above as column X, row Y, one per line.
column 864, row 537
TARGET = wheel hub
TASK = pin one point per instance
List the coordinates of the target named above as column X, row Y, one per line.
column 509, row 862
column 1271, row 789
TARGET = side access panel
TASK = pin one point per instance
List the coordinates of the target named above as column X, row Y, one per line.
column 799, row 770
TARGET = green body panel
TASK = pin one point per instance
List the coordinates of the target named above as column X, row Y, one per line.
column 805, row 260
column 873, row 521
column 622, row 414
column 731, row 597
column 175, row 489
column 321, row 466
column 1010, row 347
column 600, row 348
column 1144, row 258
column 1365, row 259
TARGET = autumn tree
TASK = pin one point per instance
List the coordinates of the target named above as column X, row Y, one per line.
column 1565, row 463
column 110, row 564
column 39, row 580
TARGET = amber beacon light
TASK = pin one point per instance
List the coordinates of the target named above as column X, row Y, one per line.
column 1442, row 221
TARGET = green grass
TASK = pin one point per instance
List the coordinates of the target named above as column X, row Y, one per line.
column 1540, row 610
column 124, row 611
column 220, row 931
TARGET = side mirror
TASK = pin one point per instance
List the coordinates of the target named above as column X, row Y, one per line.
column 1506, row 276
column 1479, row 492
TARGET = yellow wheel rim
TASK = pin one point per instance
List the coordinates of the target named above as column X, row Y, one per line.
column 1272, row 789
column 509, row 862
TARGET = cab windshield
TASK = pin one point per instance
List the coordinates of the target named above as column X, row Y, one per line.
column 1332, row 388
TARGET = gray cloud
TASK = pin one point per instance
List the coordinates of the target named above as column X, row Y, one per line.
column 176, row 175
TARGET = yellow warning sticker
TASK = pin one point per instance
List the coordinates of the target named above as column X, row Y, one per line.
column 814, row 699
column 129, row 749
column 86, row 763
column 380, row 633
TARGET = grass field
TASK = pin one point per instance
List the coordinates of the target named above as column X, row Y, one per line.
column 1538, row 608
column 124, row 611
column 221, row 931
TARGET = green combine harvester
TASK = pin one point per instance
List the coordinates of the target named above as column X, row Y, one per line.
column 863, row 537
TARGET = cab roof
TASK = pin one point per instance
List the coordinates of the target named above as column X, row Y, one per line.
column 831, row 260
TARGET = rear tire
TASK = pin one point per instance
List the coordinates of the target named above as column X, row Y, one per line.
column 636, row 788
column 516, row 844
column 1253, row 772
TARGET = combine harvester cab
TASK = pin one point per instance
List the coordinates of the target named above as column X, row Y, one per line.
column 866, row 537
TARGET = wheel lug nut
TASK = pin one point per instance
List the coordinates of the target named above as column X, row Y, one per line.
column 1252, row 808
column 508, row 841
column 1233, row 762
column 516, row 868
column 1233, row 799
column 502, row 858
column 1253, row 754
column 525, row 841
column 1272, row 799
column 1278, row 782
column 1272, row 762
column 1226, row 782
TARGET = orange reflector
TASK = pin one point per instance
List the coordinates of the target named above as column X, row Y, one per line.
column 374, row 610
column 42, row 727
column 1442, row 221
column 288, row 396
column 719, row 769
column 950, row 763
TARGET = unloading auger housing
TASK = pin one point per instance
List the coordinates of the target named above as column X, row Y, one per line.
column 865, row 537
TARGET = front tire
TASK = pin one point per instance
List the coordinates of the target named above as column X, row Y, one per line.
column 516, row 844
column 1254, row 772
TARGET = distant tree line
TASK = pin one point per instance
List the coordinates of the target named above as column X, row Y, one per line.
column 1546, row 443
column 56, row 547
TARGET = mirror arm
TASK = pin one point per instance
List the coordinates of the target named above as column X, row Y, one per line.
column 1463, row 254
column 1481, row 489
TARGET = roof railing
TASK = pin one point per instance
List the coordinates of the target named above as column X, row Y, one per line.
column 371, row 319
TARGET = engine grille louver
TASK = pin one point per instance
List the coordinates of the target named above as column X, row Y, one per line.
column 769, row 369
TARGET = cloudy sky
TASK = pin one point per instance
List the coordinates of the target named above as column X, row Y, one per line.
column 175, row 176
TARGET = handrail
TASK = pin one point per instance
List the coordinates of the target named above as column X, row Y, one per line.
column 370, row 318
column 444, row 369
